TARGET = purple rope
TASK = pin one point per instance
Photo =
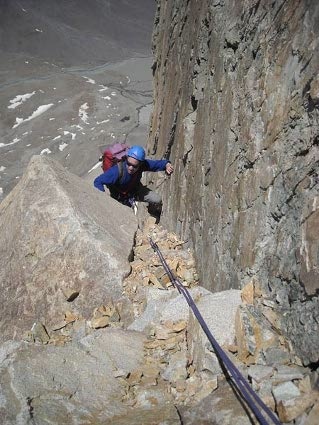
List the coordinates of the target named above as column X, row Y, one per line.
column 249, row 395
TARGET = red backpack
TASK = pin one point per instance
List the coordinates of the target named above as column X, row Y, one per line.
column 113, row 154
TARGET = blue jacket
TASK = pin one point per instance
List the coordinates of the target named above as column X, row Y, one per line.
column 129, row 182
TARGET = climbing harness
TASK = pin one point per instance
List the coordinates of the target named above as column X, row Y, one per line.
column 242, row 387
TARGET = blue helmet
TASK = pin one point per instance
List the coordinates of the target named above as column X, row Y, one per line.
column 136, row 152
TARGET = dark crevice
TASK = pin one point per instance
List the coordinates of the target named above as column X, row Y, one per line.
column 276, row 216
column 305, row 65
column 306, row 89
column 155, row 145
column 231, row 45
column 194, row 103
column 315, row 141
column 171, row 138
column 248, row 165
column 313, row 367
column 304, row 152
column 182, row 27
column 184, row 159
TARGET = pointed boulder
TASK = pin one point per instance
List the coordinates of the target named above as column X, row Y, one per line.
column 59, row 235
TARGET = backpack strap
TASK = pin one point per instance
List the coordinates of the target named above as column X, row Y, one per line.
column 120, row 167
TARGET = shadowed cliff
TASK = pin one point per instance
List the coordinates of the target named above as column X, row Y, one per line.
column 236, row 111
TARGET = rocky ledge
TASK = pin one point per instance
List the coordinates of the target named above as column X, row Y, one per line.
column 130, row 351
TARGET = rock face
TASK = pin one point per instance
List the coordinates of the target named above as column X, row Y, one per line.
column 236, row 111
column 63, row 246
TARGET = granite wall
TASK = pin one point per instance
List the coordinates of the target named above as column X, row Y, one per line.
column 236, row 91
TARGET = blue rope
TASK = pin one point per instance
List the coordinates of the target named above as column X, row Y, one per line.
column 249, row 395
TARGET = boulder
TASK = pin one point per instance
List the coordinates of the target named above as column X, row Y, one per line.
column 63, row 246
column 218, row 310
column 77, row 383
column 222, row 407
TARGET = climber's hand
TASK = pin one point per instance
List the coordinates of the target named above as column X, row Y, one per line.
column 169, row 168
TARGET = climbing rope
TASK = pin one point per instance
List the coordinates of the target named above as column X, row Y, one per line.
column 243, row 388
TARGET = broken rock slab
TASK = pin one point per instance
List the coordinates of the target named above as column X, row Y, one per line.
column 59, row 235
column 218, row 310
column 222, row 407
column 162, row 305
column 77, row 383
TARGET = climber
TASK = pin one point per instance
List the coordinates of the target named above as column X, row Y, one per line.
column 124, row 179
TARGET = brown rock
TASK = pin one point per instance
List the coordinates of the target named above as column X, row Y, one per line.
column 272, row 317
column 180, row 385
column 164, row 332
column 179, row 326
column 149, row 381
column 247, row 293
column 70, row 317
column 100, row 322
column 70, row 294
column 304, row 384
column 245, row 335
column 313, row 416
column 103, row 310
column 155, row 282
column 134, row 377
column 151, row 371
column 39, row 333
column 64, row 232
column 288, row 410
column 59, row 340
column 207, row 388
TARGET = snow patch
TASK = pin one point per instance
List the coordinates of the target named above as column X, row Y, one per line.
column 89, row 80
column 45, row 151
column 62, row 146
column 77, row 126
column 82, row 112
column 40, row 110
column 2, row 168
column 14, row 141
column 57, row 137
column 73, row 135
column 19, row 99
column 98, row 164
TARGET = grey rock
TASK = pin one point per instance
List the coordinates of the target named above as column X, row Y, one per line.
column 176, row 368
column 221, row 407
column 259, row 372
column 288, row 373
column 59, row 233
column 68, row 384
column 218, row 310
column 285, row 391
column 74, row 384
column 240, row 126
column 276, row 355
column 165, row 305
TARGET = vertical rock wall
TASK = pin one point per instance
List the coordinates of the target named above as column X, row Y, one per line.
column 236, row 90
